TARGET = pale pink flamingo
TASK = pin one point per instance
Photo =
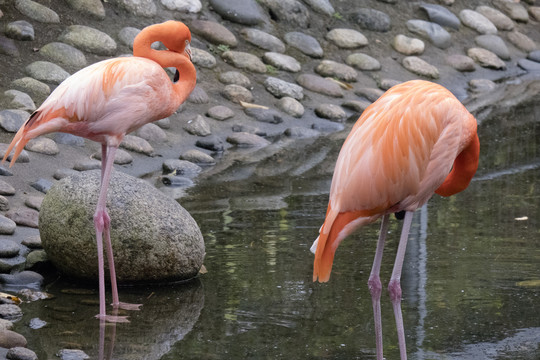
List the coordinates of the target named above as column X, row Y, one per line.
column 105, row 101
column 417, row 139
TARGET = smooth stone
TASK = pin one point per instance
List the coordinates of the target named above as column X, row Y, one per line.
column 33, row 202
column 306, row 44
column 249, row 129
column 432, row 31
column 198, row 96
column 372, row 94
column 36, row 89
column 246, row 12
column 127, row 35
column 244, row 139
column 37, row 11
column 9, row 248
column 522, row 41
column 363, row 62
column 514, row 10
column 290, row 12
column 8, row 264
column 146, row 8
column 23, row 157
column 330, row 68
column 21, row 353
column 198, row 126
column 291, row 106
column 461, row 62
column 63, row 172
column 87, row 164
column 441, row 15
column 20, row 100
column 529, row 65
column 152, row 133
column 214, row 32
column 282, row 61
column 47, row 72
column 494, row 44
column 181, row 167
column 420, row 67
column 72, row 354
column 24, row 217
column 482, row 85
column 42, row 185
column 234, row 77
column 477, row 21
column 137, row 144
column 12, row 120
column 327, row 126
column 20, row 30
column 211, row 142
column 4, row 203
column 265, row 115
column 121, row 157
column 237, row 93
column 68, row 139
column 10, row 339
column 21, row 279
column 371, row 19
column 243, row 60
column 42, row 145
column 198, row 157
column 5, row 324
column 145, row 225
column 64, row 54
column 32, row 242
column 8, row 47
column 356, row 105
column 407, row 45
column 89, row 39
column 331, row 112
column 298, row 132
column 500, row 20
column 220, row 112
column 263, row 40
column 534, row 11
column 347, row 38
column 486, row 58
column 320, row 85
column 203, row 58
column 94, row 8
column 189, row 6
column 6, row 189
column 280, row 88
column 3, row 170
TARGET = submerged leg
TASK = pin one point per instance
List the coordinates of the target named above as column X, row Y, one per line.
column 375, row 286
column 394, row 286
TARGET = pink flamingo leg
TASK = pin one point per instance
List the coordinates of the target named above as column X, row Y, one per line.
column 375, row 286
column 394, row 287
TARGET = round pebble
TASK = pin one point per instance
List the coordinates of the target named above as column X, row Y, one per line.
column 331, row 112
column 9, row 248
column 220, row 112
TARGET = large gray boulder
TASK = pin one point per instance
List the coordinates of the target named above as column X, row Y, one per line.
column 154, row 238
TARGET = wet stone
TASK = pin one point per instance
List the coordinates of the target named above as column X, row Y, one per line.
column 42, row 145
column 137, row 144
column 461, row 62
column 10, row 339
column 20, row 30
column 10, row 312
column 291, row 106
column 331, row 112
column 191, row 6
column 121, row 157
column 8, row 47
column 64, row 54
column 306, row 44
column 234, row 77
column 282, row 61
column 486, row 58
column 214, row 32
column 249, row 129
column 35, row 88
column 320, row 85
column 146, row 8
column 32, row 242
column 47, row 72
column 152, row 133
column 265, row 115
column 24, row 217
column 20, row 100
column 237, row 93
column 280, row 88
column 89, row 39
column 203, row 58
column 482, row 85
column 529, row 65
column 263, row 40
column 12, row 120
column 198, row 157
column 211, row 142
column 198, row 96
column 68, row 139
column 407, row 45
column 220, row 112
column 87, row 164
column 244, row 139
column 21, row 353
column 243, row 60
column 37, row 11
column 363, row 62
column 347, row 38
column 522, row 41
column 494, row 44
column 94, row 8
column 420, row 67
column 290, row 12
column 434, row 32
column 4, row 203
column 298, row 132
column 247, row 12
column 477, row 21
column 72, row 354
column 441, row 15
column 42, row 185
column 514, row 10
column 321, row 6
column 500, row 20
column 25, row 278
column 371, row 19
column 198, row 126
column 6, row 189
column 7, row 226
column 9, row 248
column 181, row 167
column 329, row 68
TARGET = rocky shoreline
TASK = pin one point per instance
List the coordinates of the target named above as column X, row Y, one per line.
column 270, row 73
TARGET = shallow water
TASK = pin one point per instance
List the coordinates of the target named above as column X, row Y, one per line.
column 471, row 283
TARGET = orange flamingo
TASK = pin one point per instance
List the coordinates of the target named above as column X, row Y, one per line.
column 416, row 140
column 105, row 101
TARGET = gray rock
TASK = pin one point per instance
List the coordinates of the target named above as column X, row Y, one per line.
column 486, row 58
column 89, row 39
column 265, row 115
column 220, row 112
column 298, row 132
column 137, row 144
column 146, row 8
column 94, row 8
column 321, row 6
column 263, row 40
column 87, row 164
column 330, row 68
column 501, row 21
column 522, row 41
column 6, row 189
column 36, row 89
column 320, row 85
column 47, row 72
column 121, row 157
column 514, row 10
column 63, row 54
column 432, row 31
column 4, row 203
column 68, row 139
column 247, row 12
column 237, row 93
column 234, row 77
column 534, row 12
column 7, row 226
column 331, row 112
column 243, row 60
column 23, row 157
column 280, row 88
column 33, row 202
column 154, row 238
column 198, row 96
column 191, row 6
column 24, row 217
column 20, row 100
column 372, row 94
column 347, row 38
column 291, row 106
column 307, row 44
column 441, row 15
column 127, row 35
column 356, row 105
column 181, row 167
column 62, row 173
column 42, row 185
column 29, row 279
column 20, row 30
column 8, row 47
column 477, row 21
column 37, row 11
column 10, row 339
column 282, row 61
column 482, row 85
column 290, row 12
column 212, row 143
column 494, row 44
column 32, row 242
column 386, row 83
column 72, row 354
column 5, row 325
column 42, row 145
column 420, row 67
column 363, row 62
column 214, row 32
column 407, row 45
column 21, row 353
column 249, row 129
column 244, row 139
column 198, row 157
column 198, row 126
column 529, row 65
column 152, row 133
column 202, row 58
column 371, row 19
column 461, row 62
column 9, row 248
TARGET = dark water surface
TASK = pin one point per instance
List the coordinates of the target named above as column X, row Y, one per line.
column 471, row 283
